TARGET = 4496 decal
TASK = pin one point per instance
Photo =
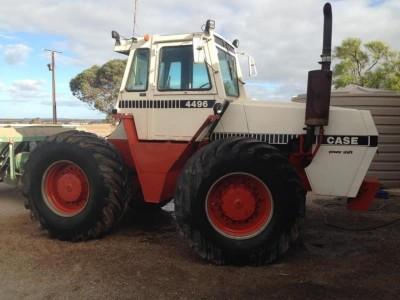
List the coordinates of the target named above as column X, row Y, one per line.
column 197, row 103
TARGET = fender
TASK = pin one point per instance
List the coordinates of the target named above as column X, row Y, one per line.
column 158, row 164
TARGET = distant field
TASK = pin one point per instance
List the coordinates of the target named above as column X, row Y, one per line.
column 95, row 126
column 48, row 121
column 99, row 129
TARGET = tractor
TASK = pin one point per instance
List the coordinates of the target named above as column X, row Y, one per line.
column 238, row 170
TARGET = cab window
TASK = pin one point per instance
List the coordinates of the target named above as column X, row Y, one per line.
column 139, row 73
column 227, row 64
column 178, row 72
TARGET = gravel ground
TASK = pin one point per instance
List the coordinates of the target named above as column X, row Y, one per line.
column 146, row 259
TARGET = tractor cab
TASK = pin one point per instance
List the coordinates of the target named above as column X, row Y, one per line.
column 196, row 64
column 177, row 79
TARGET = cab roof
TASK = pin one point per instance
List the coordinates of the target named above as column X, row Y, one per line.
column 125, row 45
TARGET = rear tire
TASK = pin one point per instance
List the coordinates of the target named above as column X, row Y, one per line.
column 239, row 201
column 75, row 185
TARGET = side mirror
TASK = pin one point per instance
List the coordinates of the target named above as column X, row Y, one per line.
column 116, row 37
column 251, row 64
column 252, row 67
column 199, row 55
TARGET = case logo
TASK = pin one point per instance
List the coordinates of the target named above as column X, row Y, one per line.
column 342, row 140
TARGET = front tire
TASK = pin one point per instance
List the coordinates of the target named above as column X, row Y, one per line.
column 239, row 201
column 74, row 183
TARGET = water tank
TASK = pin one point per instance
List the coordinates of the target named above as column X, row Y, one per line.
column 385, row 109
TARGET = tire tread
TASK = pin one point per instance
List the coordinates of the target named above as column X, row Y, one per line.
column 113, row 174
column 201, row 165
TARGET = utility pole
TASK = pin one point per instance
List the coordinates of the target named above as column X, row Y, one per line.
column 52, row 68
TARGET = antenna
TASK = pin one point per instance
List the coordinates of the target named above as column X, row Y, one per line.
column 134, row 17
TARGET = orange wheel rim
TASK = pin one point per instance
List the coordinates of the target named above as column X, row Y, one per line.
column 239, row 205
column 65, row 188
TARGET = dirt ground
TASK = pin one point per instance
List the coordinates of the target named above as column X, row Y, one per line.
column 146, row 259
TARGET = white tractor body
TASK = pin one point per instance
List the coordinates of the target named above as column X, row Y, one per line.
column 175, row 113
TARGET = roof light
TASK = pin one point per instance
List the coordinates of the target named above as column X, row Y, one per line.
column 210, row 25
column 146, row 37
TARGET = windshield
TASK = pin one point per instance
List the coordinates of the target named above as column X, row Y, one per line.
column 227, row 64
column 178, row 72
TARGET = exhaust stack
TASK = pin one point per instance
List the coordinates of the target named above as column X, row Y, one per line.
column 327, row 39
column 320, row 81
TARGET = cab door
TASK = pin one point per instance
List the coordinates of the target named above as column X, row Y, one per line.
column 184, row 93
column 135, row 89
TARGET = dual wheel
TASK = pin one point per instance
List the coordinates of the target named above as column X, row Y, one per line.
column 75, row 184
column 237, row 201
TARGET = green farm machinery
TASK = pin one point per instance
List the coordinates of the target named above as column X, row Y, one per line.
column 16, row 142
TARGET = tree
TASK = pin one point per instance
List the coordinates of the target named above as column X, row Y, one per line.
column 99, row 86
column 393, row 78
column 372, row 64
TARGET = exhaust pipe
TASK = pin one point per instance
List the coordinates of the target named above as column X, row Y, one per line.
column 320, row 81
column 327, row 43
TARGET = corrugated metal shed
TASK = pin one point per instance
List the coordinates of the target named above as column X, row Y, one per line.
column 385, row 109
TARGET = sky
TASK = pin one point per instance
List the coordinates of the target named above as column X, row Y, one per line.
column 285, row 38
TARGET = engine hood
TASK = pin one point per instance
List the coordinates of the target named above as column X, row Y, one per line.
column 258, row 117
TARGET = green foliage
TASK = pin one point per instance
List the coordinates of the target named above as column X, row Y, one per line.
column 371, row 64
column 393, row 77
column 99, row 86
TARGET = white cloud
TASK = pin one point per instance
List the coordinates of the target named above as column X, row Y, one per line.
column 6, row 36
column 16, row 54
column 27, row 89
column 33, row 92
column 285, row 36
column 30, row 85
column 65, row 100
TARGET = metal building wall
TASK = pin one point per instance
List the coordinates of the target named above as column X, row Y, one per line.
column 385, row 109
